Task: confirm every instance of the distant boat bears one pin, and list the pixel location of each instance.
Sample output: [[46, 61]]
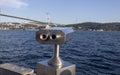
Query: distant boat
[[47, 26], [4, 28], [96, 30], [100, 30]]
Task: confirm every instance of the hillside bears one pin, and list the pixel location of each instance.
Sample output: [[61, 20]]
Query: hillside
[[115, 26]]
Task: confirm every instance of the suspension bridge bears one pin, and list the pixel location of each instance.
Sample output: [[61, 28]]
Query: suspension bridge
[[11, 16]]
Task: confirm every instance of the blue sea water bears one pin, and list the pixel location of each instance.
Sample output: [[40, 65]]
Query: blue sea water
[[93, 52]]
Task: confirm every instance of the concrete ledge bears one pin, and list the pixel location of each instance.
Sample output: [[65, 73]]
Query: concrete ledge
[[10, 69]]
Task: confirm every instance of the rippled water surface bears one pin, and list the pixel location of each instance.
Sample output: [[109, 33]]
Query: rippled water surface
[[94, 53]]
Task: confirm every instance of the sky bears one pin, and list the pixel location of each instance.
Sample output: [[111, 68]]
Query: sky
[[63, 11]]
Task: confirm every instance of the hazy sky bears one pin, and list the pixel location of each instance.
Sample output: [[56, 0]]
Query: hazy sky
[[63, 11]]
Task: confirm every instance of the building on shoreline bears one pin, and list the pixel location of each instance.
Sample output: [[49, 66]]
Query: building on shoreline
[[22, 26]]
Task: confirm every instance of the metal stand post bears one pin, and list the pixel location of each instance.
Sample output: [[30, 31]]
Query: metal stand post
[[55, 65], [56, 61]]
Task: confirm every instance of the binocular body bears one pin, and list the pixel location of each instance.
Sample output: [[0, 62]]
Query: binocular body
[[54, 35]]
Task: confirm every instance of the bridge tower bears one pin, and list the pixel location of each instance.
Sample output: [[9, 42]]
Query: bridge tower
[[48, 20]]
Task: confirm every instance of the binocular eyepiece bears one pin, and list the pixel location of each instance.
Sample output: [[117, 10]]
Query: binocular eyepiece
[[54, 35], [43, 37]]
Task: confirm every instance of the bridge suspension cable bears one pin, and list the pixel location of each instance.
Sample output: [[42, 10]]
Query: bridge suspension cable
[[19, 18]]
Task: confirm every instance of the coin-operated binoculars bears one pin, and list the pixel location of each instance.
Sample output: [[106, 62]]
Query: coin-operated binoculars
[[55, 66]]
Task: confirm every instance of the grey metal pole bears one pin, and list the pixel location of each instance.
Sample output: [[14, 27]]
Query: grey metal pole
[[56, 60], [57, 50]]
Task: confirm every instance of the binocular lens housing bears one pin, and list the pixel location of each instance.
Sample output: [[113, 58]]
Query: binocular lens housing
[[54, 35], [43, 37]]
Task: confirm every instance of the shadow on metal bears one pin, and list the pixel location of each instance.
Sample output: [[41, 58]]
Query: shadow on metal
[[66, 72], [1, 62]]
